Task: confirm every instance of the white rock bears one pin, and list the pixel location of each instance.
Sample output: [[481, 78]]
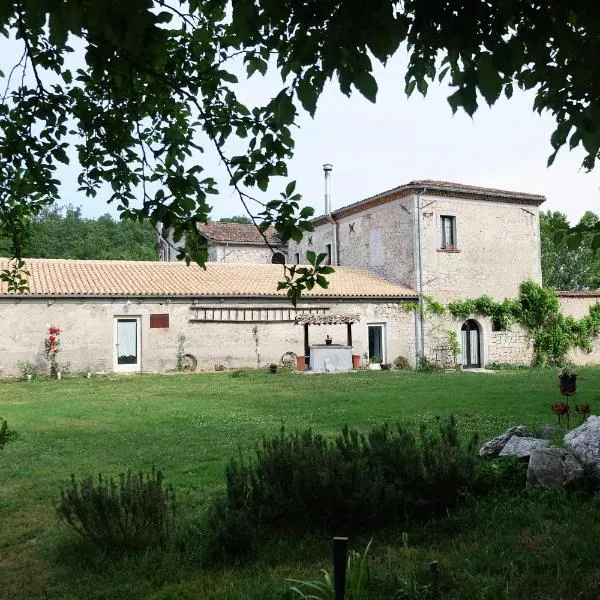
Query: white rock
[[554, 467], [584, 442], [522, 447], [492, 448]]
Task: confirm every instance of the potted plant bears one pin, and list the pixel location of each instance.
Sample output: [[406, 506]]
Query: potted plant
[[273, 367], [567, 381], [27, 369], [375, 363]]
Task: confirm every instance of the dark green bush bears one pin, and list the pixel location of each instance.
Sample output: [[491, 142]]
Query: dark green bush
[[503, 474], [5, 433], [231, 534], [134, 513], [352, 484]]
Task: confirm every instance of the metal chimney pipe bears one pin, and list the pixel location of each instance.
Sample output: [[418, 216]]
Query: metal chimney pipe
[[327, 171]]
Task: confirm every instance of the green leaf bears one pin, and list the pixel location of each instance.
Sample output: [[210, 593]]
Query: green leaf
[[289, 189], [488, 79], [366, 85], [307, 95]]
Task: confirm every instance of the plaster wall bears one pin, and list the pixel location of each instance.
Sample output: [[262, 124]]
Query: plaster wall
[[579, 307], [497, 248], [88, 331], [240, 253], [379, 239]]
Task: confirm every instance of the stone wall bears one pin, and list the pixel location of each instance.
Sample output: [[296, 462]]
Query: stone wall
[[221, 334], [513, 347]]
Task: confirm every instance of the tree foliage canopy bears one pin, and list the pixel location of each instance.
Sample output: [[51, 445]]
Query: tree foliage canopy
[[65, 233], [158, 86], [569, 262]]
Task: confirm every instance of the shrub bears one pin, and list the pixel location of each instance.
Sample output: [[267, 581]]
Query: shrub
[[500, 366], [231, 533], [134, 513], [402, 363], [353, 483], [503, 474], [5, 433], [424, 365], [27, 368]]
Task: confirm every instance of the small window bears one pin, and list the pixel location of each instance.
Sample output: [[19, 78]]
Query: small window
[[448, 232], [297, 258], [278, 259], [328, 252]]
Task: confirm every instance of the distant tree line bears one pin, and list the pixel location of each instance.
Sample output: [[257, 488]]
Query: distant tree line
[[64, 233]]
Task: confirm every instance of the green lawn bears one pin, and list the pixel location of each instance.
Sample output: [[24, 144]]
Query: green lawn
[[189, 425]]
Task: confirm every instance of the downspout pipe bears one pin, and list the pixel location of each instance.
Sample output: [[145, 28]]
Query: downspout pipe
[[419, 322], [327, 168]]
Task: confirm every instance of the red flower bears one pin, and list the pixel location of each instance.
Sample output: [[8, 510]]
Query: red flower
[[560, 408]]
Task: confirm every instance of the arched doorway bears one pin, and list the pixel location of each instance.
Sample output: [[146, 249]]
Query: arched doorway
[[470, 339]]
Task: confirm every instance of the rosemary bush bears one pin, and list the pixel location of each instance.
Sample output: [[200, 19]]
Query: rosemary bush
[[5, 433], [354, 483], [131, 513]]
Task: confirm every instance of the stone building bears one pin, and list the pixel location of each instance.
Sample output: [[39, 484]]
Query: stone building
[[232, 243], [447, 241], [444, 240], [127, 316]]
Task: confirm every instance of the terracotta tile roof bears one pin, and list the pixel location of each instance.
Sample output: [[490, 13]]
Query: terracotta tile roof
[[238, 233], [104, 278], [438, 188]]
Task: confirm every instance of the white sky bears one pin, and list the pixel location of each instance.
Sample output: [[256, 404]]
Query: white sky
[[375, 147]]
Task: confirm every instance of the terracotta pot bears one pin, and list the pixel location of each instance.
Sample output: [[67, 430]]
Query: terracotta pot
[[300, 363], [356, 361]]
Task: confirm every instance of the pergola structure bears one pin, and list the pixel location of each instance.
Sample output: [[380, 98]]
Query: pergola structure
[[307, 320]]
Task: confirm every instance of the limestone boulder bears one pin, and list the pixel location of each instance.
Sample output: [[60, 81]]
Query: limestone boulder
[[547, 432], [584, 442], [492, 448], [522, 447], [554, 467]]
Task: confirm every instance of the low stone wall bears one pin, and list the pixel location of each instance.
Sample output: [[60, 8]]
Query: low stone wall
[[514, 347]]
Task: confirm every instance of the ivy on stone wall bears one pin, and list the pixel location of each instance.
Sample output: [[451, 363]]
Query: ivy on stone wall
[[538, 309]]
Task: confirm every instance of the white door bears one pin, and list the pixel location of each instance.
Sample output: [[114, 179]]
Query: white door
[[127, 344]]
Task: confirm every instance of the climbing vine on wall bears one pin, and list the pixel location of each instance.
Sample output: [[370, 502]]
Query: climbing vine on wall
[[537, 309]]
